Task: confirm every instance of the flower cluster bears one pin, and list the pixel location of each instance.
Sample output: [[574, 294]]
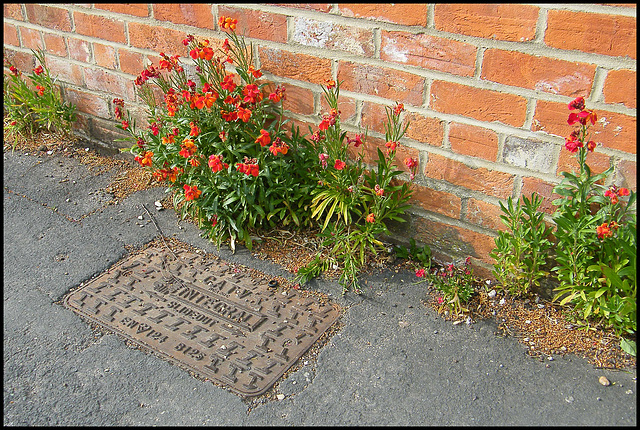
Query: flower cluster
[[614, 192]]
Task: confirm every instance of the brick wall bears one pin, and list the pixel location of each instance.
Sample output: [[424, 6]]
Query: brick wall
[[485, 86]]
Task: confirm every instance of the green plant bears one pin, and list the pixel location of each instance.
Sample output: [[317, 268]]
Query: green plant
[[595, 238], [30, 107], [455, 284], [353, 203], [219, 142], [421, 255], [520, 252]]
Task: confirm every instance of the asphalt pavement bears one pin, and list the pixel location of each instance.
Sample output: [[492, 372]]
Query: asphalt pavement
[[392, 362]]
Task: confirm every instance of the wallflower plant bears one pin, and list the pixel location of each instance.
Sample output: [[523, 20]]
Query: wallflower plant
[[218, 140], [352, 203], [37, 104], [455, 285]]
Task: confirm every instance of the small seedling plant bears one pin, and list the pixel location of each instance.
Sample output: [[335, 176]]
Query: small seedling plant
[[454, 284]]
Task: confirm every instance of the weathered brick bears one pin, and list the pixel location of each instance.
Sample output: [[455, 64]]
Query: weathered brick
[[428, 52], [292, 65], [537, 73], [11, 34], [627, 175], [88, 102], [329, 35], [490, 182], [79, 49], [257, 24], [99, 27], [456, 242], [31, 39], [529, 153], [484, 214], [511, 22], [621, 87], [613, 130], [102, 80], [135, 9], [591, 32], [374, 116], [13, 11], [318, 7], [346, 106], [55, 44], [483, 105], [398, 13], [391, 84], [23, 61], [440, 202], [425, 129], [64, 70], [298, 100], [105, 56], [130, 62], [197, 15], [597, 162], [543, 189], [474, 141], [48, 16], [157, 38]]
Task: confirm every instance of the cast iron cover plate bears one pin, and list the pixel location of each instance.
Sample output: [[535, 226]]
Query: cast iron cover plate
[[206, 316]]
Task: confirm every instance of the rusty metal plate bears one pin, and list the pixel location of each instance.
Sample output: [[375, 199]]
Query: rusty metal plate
[[206, 316]]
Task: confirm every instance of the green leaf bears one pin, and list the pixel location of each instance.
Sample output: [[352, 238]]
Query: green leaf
[[628, 346]]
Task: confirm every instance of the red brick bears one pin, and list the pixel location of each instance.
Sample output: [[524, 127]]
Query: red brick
[[135, 9], [537, 73], [197, 15], [257, 24], [440, 202], [391, 84], [130, 62], [474, 141], [298, 100], [48, 16], [100, 27], [291, 65], [13, 11], [428, 52], [105, 56], [597, 162], [79, 49], [23, 61], [490, 182], [399, 13], [424, 129], [369, 152], [484, 214], [591, 32], [31, 39], [88, 103], [543, 189], [374, 116], [511, 22], [346, 106], [102, 80], [621, 87], [64, 70], [11, 34], [615, 131], [55, 44], [627, 175], [456, 242], [483, 105], [329, 35], [156, 38]]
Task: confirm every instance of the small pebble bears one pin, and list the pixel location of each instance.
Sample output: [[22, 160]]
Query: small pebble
[[628, 392], [540, 306], [502, 301], [492, 294], [527, 322], [280, 396], [140, 217], [569, 399], [550, 358], [604, 381], [49, 152]]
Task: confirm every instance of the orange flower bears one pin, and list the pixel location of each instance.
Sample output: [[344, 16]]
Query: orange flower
[[188, 148], [168, 139], [379, 191], [264, 139], [244, 114], [391, 146], [195, 130], [371, 218], [330, 83], [146, 160], [256, 73], [226, 22], [191, 193], [194, 162], [603, 231], [227, 83], [279, 147], [252, 93], [216, 164]]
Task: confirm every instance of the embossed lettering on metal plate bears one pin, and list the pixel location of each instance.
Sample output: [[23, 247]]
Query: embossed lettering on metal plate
[[218, 322]]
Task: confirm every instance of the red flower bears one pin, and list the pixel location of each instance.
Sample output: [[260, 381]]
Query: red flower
[[125, 124], [572, 143], [216, 164], [603, 231], [40, 90], [194, 162], [279, 147], [188, 148], [195, 130], [339, 164], [191, 193], [227, 83], [623, 192], [244, 114], [330, 84], [248, 168], [420, 273], [256, 73], [15, 71], [398, 109], [323, 160], [371, 218], [146, 160], [391, 146], [379, 191], [591, 146], [357, 140], [264, 139], [38, 70], [577, 104], [252, 93]]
